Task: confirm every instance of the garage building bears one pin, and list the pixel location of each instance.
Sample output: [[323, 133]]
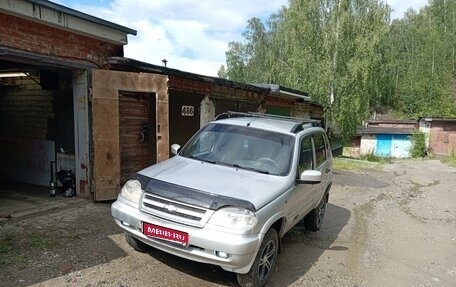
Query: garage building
[[70, 100]]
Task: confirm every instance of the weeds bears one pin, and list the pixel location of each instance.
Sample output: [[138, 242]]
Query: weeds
[[369, 157], [451, 158], [419, 148], [8, 253], [12, 246], [373, 158], [354, 165], [40, 242]]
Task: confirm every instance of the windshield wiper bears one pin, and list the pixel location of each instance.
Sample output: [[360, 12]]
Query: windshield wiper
[[250, 168], [202, 159]]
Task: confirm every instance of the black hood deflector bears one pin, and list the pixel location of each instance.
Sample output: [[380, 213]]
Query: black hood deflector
[[189, 195]]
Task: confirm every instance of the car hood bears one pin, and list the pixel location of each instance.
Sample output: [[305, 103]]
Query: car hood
[[257, 188]]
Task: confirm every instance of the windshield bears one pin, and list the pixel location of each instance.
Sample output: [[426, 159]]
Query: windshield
[[241, 147]]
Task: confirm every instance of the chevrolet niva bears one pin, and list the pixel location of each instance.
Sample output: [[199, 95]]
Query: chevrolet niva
[[230, 194]]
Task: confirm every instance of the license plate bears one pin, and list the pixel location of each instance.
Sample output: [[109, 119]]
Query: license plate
[[164, 233]]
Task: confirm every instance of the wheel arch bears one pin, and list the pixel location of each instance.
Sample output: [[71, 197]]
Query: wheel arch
[[328, 188], [278, 225]]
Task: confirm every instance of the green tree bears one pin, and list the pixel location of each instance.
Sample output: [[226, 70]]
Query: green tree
[[352, 58], [236, 60], [424, 61]]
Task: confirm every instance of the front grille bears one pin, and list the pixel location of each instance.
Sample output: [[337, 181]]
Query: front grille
[[175, 211]]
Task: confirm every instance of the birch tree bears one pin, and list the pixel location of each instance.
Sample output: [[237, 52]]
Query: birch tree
[[352, 58]]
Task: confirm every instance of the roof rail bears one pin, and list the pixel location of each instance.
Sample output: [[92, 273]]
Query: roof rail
[[299, 121]]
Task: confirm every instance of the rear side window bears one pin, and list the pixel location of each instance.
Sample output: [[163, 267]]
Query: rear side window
[[320, 149]]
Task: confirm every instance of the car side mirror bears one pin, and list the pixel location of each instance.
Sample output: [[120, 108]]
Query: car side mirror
[[175, 148], [310, 176]]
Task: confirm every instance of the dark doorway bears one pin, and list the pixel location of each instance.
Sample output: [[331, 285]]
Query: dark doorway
[[184, 116]]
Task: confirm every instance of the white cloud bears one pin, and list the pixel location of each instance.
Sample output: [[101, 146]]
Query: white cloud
[[192, 35], [169, 41]]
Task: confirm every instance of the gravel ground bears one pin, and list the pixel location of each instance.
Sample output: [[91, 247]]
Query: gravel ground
[[395, 227]]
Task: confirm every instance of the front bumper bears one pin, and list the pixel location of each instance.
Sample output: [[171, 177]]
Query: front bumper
[[203, 245]]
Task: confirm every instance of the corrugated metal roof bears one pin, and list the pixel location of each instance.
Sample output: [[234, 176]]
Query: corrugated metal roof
[[280, 89], [78, 14], [137, 65], [264, 88]]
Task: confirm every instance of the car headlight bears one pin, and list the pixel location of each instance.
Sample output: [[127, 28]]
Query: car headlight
[[234, 218], [132, 191]]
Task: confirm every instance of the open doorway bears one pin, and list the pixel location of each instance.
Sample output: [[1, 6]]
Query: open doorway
[[37, 132]]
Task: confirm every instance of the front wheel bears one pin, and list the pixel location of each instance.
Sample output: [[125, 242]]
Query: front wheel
[[264, 262], [313, 220]]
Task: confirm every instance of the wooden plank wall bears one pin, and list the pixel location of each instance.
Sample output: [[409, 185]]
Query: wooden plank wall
[[105, 125]]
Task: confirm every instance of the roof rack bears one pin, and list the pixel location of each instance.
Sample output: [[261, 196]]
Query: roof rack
[[299, 121]]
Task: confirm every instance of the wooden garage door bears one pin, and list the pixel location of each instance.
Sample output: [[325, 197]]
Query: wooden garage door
[[106, 121], [136, 132]]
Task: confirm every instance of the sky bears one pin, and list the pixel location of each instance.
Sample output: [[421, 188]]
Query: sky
[[192, 35]]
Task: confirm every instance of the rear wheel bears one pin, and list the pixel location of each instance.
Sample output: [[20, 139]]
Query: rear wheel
[[264, 262], [313, 220], [136, 244]]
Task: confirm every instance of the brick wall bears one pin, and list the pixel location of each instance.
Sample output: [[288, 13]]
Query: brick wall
[[237, 94], [38, 38], [308, 110], [183, 84], [25, 109], [29, 111], [273, 101], [34, 123]]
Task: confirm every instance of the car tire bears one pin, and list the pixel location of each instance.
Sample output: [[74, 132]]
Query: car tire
[[264, 262], [136, 244], [314, 219]]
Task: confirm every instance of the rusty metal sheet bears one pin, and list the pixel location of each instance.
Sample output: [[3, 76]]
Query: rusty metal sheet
[[105, 124]]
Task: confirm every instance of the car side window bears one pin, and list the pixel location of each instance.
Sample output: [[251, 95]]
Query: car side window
[[320, 149], [306, 155]]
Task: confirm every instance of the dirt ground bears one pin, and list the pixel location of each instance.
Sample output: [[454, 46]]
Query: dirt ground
[[394, 227]]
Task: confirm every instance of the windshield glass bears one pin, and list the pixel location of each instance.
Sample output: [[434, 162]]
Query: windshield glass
[[241, 147]]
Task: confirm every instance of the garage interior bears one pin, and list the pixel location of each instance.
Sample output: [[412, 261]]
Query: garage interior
[[37, 137]]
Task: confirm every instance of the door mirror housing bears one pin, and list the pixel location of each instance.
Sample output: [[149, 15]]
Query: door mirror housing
[[175, 148], [310, 176]]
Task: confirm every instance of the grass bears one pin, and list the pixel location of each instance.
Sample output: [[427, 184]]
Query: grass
[[451, 159], [356, 164], [11, 247], [373, 158], [368, 161], [8, 253], [41, 242]]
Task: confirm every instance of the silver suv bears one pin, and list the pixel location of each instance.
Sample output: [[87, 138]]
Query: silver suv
[[229, 195]]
